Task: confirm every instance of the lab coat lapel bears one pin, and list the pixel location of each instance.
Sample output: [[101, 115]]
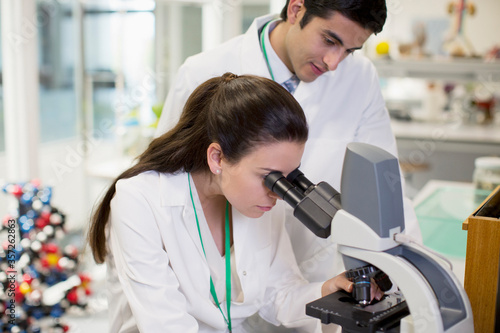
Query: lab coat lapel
[[251, 57], [242, 251], [240, 226], [250, 236], [252, 240], [208, 252], [311, 102], [175, 192], [189, 218]]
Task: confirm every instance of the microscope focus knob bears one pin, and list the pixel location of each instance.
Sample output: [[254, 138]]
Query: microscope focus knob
[[361, 277], [361, 271]]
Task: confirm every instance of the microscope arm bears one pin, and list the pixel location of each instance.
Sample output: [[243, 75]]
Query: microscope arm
[[417, 292]]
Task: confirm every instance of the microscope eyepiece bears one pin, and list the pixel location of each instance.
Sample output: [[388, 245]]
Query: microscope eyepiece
[[297, 178], [276, 182], [313, 205]]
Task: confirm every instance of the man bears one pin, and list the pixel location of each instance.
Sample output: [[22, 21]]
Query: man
[[339, 91]]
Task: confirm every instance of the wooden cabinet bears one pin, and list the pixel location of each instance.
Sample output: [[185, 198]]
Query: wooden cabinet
[[482, 263]]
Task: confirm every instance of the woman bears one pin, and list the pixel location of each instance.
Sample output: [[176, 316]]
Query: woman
[[191, 244]]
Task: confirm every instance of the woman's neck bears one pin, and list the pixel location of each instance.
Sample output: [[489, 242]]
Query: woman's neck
[[213, 204]]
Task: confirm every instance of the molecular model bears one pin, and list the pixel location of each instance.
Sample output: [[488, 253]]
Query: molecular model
[[39, 277]]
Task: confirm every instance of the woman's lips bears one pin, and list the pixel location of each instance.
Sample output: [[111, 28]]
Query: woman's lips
[[266, 208]]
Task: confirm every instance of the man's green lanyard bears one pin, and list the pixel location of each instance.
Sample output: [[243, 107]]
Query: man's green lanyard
[[263, 45], [228, 261]]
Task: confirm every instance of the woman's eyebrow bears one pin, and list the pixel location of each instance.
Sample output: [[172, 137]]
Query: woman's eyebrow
[[269, 170]]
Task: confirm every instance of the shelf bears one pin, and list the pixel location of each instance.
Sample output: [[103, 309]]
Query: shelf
[[442, 69], [447, 131]]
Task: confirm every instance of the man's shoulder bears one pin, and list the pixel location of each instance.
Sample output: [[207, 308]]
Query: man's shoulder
[[230, 55], [221, 54]]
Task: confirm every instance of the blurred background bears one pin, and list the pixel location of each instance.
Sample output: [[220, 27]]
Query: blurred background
[[82, 84]]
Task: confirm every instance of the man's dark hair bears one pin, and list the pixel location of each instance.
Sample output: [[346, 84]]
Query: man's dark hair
[[370, 14]]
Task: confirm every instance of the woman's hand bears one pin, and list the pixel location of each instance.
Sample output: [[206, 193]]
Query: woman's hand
[[340, 282]]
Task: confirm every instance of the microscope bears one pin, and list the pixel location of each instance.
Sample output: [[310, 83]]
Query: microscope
[[366, 222]]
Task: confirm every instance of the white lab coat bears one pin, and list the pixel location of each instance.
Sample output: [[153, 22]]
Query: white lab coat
[[342, 106], [158, 276]]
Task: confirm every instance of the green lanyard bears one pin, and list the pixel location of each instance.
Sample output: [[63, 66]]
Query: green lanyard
[[228, 262], [263, 45]]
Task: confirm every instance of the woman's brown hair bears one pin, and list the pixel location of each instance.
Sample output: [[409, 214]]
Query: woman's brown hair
[[238, 112]]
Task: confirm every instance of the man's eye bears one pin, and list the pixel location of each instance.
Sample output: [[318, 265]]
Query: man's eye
[[330, 41]]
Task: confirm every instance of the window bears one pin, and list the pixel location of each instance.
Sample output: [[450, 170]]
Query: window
[[58, 113], [117, 53], [118, 48], [119, 73]]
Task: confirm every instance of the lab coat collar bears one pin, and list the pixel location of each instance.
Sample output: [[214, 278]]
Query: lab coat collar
[[253, 61], [252, 58], [173, 189], [280, 71]]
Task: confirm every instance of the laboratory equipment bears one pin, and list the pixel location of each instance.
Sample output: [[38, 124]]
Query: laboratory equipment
[[366, 222]]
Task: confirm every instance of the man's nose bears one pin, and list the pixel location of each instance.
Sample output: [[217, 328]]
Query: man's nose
[[333, 58]]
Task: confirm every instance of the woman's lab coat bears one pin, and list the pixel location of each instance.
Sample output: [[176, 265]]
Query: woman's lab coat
[[158, 276], [341, 106]]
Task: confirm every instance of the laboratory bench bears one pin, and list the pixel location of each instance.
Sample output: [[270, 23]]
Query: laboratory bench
[[461, 223], [441, 208]]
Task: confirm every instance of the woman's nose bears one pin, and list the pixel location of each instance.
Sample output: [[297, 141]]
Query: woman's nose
[[273, 195]]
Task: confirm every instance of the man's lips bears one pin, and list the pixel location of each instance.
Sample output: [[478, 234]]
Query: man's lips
[[318, 70]]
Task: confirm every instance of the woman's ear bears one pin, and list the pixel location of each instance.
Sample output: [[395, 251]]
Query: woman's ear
[[214, 158]]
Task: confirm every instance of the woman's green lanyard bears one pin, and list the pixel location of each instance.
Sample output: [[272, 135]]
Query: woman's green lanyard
[[263, 45], [228, 262]]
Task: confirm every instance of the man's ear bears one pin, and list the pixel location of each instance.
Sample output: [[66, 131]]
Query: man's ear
[[214, 157], [294, 7]]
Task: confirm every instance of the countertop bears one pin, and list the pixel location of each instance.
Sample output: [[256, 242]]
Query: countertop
[[456, 207], [447, 132]]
